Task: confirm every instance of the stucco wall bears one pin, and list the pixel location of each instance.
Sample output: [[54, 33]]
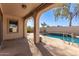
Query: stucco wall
[[63, 30], [6, 34], [1, 26], [0, 5]]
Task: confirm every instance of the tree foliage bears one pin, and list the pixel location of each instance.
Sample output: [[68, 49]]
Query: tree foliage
[[29, 29], [65, 12], [44, 26]]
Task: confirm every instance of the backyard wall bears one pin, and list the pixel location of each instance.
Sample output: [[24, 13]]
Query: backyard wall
[[63, 29], [8, 35]]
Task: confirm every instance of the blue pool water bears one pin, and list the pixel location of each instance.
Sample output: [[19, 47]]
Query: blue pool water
[[65, 38]]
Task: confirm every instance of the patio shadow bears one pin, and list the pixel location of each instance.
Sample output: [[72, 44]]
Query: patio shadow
[[16, 47], [43, 50]]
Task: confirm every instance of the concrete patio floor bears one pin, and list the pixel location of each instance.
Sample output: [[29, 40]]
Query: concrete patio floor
[[25, 47], [16, 47], [53, 46]]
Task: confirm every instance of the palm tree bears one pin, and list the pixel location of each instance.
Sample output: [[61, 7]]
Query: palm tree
[[65, 12], [48, 26], [44, 26]]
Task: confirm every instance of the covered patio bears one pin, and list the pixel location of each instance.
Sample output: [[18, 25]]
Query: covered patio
[[13, 30]]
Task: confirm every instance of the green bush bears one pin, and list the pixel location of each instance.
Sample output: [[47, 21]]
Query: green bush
[[29, 29]]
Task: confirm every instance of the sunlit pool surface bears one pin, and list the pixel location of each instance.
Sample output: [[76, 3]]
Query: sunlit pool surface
[[65, 38]]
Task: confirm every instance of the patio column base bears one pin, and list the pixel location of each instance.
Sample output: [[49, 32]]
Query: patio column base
[[1, 46]]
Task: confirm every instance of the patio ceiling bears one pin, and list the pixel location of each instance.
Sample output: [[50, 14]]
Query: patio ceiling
[[44, 7], [25, 10], [16, 9]]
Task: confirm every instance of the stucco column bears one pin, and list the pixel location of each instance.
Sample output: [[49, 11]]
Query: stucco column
[[1, 29], [25, 28], [36, 28]]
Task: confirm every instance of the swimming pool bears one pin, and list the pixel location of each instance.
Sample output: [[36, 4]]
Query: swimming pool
[[65, 38]]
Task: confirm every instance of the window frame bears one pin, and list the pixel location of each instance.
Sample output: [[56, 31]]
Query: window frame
[[10, 19]]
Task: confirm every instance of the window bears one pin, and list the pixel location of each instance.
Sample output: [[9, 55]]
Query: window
[[13, 26]]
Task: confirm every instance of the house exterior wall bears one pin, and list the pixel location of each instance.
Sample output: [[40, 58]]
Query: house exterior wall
[[8, 35]]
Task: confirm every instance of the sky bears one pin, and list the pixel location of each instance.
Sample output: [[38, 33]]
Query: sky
[[49, 19]]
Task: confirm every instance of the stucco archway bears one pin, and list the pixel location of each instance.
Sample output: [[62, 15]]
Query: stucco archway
[[36, 16]]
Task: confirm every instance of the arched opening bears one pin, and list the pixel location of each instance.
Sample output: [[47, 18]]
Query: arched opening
[[29, 31], [57, 28]]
